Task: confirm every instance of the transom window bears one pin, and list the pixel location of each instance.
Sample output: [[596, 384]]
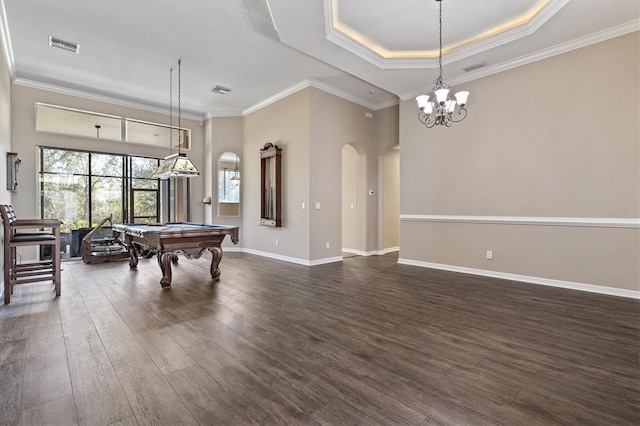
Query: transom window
[[94, 125]]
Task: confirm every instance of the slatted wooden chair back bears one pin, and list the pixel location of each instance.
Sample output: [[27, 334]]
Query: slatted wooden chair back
[[22, 273], [8, 213], [8, 217]]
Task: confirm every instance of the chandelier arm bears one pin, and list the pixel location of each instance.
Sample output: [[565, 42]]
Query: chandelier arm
[[427, 119], [462, 114]]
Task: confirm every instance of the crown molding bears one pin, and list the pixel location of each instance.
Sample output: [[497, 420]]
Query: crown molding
[[99, 98], [6, 41], [470, 48], [341, 94], [508, 36], [320, 86], [274, 98], [221, 114], [604, 35], [144, 107], [350, 97]]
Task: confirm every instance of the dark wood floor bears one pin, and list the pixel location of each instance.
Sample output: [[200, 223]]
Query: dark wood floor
[[362, 342]]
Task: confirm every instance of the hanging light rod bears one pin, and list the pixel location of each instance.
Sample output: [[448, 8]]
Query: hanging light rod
[[175, 165], [443, 110]]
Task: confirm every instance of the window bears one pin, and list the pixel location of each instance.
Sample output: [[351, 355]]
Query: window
[[228, 191], [74, 122], [228, 183], [82, 188], [64, 187], [145, 202]]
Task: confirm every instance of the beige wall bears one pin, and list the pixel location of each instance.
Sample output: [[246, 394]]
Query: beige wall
[[336, 122], [286, 124], [222, 134], [350, 199], [5, 138], [391, 196], [312, 127], [26, 140], [555, 138], [5, 122]]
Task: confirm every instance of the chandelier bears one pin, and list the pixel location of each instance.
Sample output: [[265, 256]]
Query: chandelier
[[176, 165], [442, 110]]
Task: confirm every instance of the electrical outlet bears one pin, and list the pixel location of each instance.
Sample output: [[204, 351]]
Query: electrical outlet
[[277, 242], [489, 254], [328, 244]]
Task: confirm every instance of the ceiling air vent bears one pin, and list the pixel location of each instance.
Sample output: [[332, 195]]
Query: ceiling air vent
[[71, 47], [475, 66], [221, 90]]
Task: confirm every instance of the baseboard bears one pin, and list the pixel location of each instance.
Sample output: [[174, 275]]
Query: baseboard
[[591, 288], [295, 260], [371, 253], [232, 249], [325, 260]]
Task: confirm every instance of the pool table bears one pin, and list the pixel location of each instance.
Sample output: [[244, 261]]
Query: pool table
[[169, 239]]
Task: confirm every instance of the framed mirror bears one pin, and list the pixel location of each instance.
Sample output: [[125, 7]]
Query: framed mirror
[[271, 186]]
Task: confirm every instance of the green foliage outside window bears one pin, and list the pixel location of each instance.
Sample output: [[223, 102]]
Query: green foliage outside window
[[82, 188]]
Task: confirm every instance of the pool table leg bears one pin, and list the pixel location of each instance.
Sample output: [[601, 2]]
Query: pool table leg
[[164, 260], [133, 255], [216, 257]]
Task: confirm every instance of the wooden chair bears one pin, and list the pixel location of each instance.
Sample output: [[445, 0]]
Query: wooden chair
[[22, 273]]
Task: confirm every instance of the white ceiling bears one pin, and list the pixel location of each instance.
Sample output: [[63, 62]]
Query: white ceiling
[[368, 51]]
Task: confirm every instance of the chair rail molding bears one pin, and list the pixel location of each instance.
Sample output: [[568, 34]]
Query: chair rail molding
[[598, 222]]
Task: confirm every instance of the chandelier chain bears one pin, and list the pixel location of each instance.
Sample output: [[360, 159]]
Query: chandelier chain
[[443, 110], [440, 56]]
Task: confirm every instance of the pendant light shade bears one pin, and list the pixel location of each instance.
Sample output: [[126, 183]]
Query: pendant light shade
[[176, 165]]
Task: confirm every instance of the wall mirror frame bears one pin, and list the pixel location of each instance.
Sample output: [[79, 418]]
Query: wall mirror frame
[[271, 185]]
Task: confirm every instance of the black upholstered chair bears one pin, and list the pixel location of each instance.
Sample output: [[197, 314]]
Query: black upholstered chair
[[31, 234]]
